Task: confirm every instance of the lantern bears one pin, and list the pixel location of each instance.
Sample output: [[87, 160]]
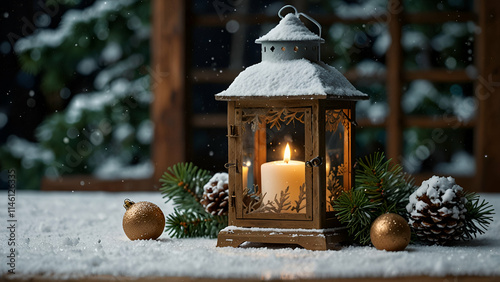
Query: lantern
[[290, 133]]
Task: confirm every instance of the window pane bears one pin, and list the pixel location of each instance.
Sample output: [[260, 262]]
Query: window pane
[[449, 45], [440, 100], [369, 140], [448, 151], [353, 44], [204, 101], [376, 108], [209, 148]]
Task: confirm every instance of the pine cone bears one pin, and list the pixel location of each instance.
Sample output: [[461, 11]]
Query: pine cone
[[215, 195], [437, 210]]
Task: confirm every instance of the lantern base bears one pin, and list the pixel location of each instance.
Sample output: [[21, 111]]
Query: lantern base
[[310, 239]]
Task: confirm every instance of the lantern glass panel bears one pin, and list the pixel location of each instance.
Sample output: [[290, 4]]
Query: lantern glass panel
[[336, 151], [274, 183]]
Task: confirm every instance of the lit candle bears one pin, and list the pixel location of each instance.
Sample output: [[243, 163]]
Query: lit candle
[[278, 175]]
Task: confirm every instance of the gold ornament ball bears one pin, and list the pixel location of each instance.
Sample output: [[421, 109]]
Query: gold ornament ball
[[142, 220], [390, 232]]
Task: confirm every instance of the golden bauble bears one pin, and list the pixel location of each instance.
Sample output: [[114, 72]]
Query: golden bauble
[[142, 220], [390, 232]]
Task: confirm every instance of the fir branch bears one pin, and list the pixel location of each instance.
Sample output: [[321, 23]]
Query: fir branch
[[384, 183], [478, 217], [356, 210], [183, 184], [191, 224]]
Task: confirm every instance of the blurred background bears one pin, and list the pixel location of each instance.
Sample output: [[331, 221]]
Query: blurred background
[[79, 80]]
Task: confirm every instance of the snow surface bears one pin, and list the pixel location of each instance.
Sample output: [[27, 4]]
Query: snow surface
[[291, 78], [290, 28], [64, 234]]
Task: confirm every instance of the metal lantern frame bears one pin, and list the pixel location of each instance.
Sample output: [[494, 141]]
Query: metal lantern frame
[[315, 227]]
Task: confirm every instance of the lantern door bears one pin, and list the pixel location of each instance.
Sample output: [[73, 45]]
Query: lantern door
[[339, 138], [272, 181]]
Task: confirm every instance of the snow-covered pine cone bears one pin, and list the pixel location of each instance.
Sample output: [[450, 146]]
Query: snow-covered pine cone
[[437, 210], [216, 195]]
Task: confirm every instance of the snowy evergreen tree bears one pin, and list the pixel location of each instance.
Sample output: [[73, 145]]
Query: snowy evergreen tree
[[96, 62]]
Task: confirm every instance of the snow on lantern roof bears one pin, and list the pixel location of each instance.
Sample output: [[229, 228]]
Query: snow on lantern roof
[[291, 72], [290, 28], [288, 79]]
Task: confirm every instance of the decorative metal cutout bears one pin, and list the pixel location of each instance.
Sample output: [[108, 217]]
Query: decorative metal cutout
[[334, 118], [300, 204], [254, 202], [334, 183], [273, 118]]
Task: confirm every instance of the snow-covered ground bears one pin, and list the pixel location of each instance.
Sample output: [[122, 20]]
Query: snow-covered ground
[[64, 234]]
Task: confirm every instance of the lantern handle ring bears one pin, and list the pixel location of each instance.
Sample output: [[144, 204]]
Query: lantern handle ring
[[300, 14], [288, 6]]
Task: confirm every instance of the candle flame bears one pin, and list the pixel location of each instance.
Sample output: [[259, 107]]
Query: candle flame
[[286, 158]]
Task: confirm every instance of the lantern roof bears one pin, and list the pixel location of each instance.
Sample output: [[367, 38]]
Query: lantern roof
[[290, 28], [301, 79], [291, 67]]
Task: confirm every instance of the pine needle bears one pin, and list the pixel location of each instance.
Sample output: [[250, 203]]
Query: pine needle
[[191, 224], [478, 217], [183, 184]]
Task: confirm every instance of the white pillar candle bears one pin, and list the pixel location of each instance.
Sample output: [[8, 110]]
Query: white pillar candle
[[278, 175]]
